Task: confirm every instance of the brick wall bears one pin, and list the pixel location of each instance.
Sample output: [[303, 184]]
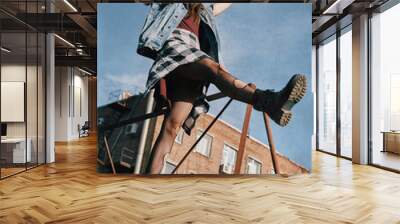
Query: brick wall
[[222, 133]]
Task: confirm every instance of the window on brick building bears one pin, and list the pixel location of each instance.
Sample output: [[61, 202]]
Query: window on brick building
[[179, 137], [228, 159], [204, 146], [168, 168], [253, 166]]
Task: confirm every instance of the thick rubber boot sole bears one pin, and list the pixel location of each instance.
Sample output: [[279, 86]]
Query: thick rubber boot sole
[[281, 117], [297, 93]]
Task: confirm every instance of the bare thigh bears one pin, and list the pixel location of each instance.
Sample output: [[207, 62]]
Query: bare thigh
[[182, 93], [179, 112]]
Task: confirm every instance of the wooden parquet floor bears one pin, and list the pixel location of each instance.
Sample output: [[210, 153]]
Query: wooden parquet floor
[[70, 191]]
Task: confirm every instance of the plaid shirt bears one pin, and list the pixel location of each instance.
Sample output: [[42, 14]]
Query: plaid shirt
[[182, 47]]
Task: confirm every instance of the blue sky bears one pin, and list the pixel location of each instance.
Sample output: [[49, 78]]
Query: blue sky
[[260, 43]]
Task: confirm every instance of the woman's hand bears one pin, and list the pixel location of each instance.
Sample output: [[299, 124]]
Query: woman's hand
[[218, 8]]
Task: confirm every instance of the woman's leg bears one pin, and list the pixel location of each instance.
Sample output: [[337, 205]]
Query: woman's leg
[[276, 104], [169, 129], [210, 71]]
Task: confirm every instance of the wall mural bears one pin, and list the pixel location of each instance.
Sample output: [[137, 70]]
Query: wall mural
[[185, 66]]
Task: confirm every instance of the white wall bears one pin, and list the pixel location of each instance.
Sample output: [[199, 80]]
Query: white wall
[[79, 117], [13, 73], [71, 102], [17, 73], [61, 103], [33, 126]]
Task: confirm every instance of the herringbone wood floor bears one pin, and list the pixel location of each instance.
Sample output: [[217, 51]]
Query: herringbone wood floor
[[70, 191]]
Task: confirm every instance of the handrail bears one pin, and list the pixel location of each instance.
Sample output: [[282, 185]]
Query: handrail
[[209, 98]]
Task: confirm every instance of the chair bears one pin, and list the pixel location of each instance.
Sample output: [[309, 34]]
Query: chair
[[163, 105], [84, 129]]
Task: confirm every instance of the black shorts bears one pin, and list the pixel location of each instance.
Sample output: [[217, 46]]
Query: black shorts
[[182, 89]]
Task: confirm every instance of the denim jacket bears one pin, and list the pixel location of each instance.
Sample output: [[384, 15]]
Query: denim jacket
[[163, 18]]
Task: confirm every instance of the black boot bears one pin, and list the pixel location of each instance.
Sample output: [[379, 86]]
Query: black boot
[[278, 104]]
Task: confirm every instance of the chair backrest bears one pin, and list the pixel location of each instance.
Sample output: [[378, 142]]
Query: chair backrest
[[86, 125]]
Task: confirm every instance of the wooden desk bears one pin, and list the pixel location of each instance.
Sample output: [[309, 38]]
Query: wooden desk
[[391, 141]]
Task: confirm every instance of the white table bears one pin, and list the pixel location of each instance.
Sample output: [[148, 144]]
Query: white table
[[18, 145]]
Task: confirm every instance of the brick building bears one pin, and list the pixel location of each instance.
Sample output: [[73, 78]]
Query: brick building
[[217, 151]]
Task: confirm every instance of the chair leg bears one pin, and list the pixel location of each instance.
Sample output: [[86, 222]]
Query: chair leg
[[272, 149], [109, 155], [243, 138], [202, 135]]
